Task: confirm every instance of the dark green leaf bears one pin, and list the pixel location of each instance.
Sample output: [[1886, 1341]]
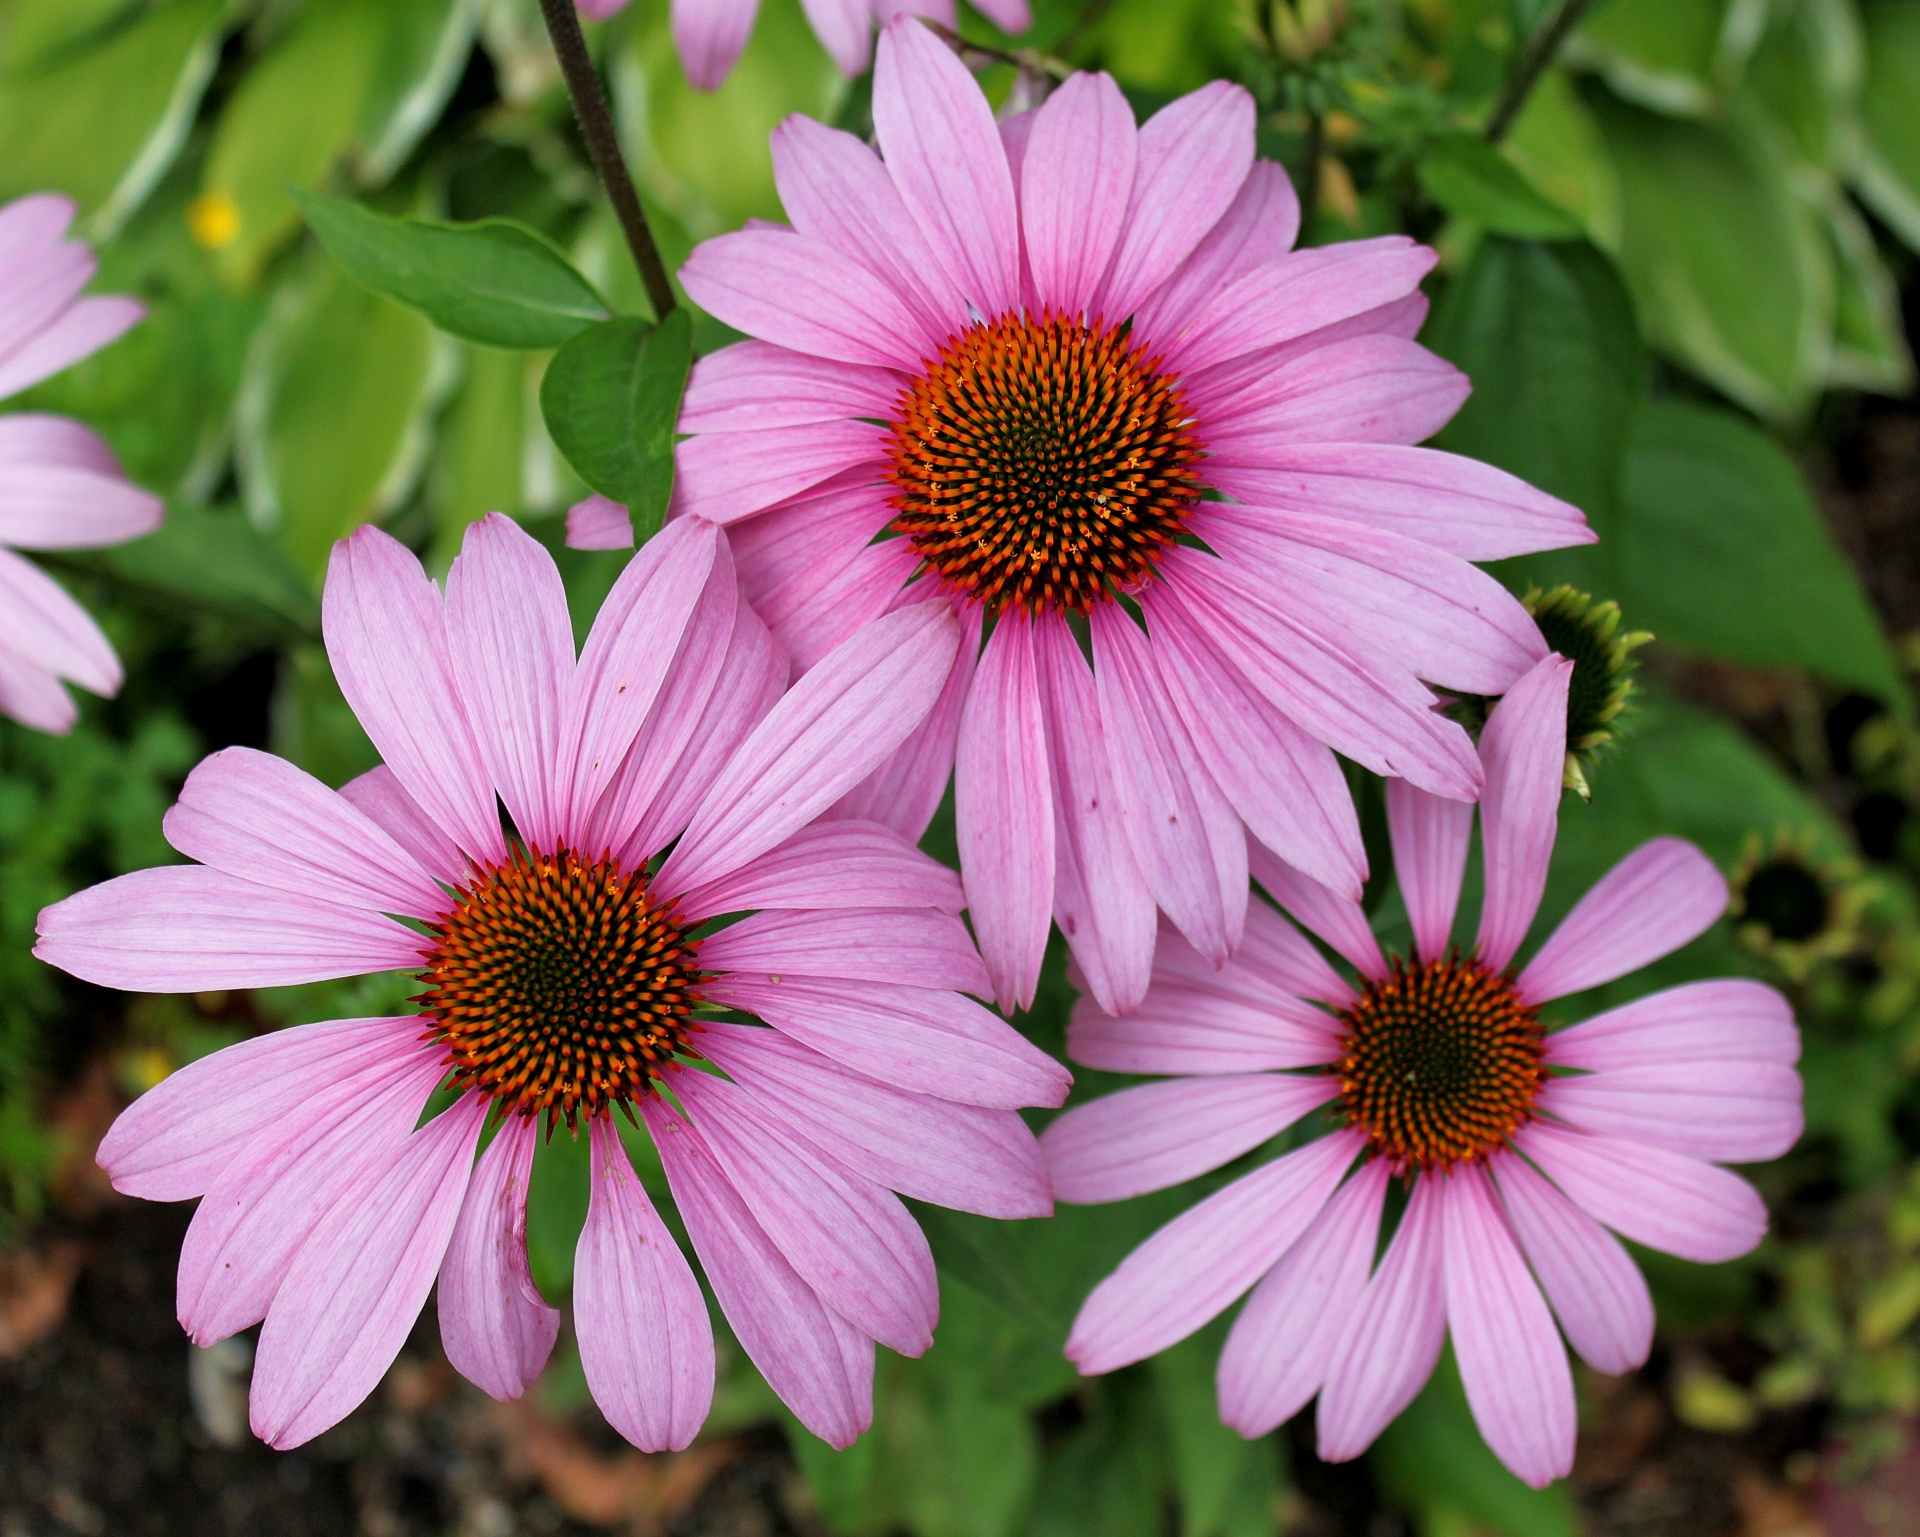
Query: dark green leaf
[[610, 398], [1720, 550], [495, 282], [1109, 1477], [557, 1195], [1227, 1486], [1470, 178]]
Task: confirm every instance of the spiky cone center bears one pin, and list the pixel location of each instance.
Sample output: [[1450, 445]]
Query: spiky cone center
[[1043, 463], [560, 986], [1440, 1064]]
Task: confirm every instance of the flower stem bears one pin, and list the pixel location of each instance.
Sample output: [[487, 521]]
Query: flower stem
[[603, 144], [1542, 45]]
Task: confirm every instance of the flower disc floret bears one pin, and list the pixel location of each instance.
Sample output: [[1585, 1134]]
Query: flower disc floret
[[561, 985], [1441, 1063], [1043, 463]]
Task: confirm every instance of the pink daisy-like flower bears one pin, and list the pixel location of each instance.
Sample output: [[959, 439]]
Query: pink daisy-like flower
[[568, 972], [711, 34], [1520, 1147], [1005, 365], [60, 486]]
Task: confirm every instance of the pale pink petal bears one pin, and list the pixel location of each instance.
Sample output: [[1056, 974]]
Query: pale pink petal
[[1188, 838], [750, 386], [1277, 1352], [598, 524], [34, 438], [624, 665], [56, 507], [1276, 953], [379, 794], [38, 287], [1430, 838], [784, 1327], [1455, 504], [45, 628], [1596, 1289], [835, 189], [1367, 389], [1664, 1200], [173, 1141], [962, 1156], [800, 293], [813, 618], [1101, 899], [833, 728], [33, 696], [1392, 1338], [792, 556], [1524, 748], [1196, 1265], [81, 330], [1726, 1020], [1663, 894], [942, 150], [1075, 180], [832, 864], [1259, 224], [918, 1038], [709, 34], [33, 224], [496, 1327], [191, 929], [867, 944], [1341, 923], [387, 639], [262, 1208], [259, 818], [646, 1344], [1185, 1030], [358, 1283], [1162, 1134], [845, 30], [1244, 386], [1013, 16], [727, 476], [1004, 813], [1730, 1112], [850, 1239]]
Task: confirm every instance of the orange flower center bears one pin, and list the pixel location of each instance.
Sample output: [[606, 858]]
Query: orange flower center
[[1043, 463], [560, 986], [1441, 1063]]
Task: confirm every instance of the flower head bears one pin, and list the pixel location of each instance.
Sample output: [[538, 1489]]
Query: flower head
[[1067, 373], [60, 486], [573, 968], [1519, 1145]]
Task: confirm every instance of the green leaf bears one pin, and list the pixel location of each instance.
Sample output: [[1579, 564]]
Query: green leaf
[[104, 119], [424, 46], [1886, 162], [1472, 180], [1226, 1486], [217, 562], [495, 282], [1870, 348], [557, 1197], [1671, 55], [1433, 1461], [1106, 1479], [1558, 148], [611, 397], [480, 451], [1720, 551]]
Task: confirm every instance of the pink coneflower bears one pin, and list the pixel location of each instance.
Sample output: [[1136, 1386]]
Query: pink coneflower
[[60, 486], [1005, 365], [710, 34], [1519, 1148], [566, 975]]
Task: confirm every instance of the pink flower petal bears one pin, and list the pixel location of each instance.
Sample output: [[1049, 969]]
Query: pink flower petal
[[1664, 1200], [1101, 899], [81, 330], [1163, 1134], [1524, 748], [1198, 1031], [190, 929], [1278, 1350], [42, 626], [380, 795], [173, 1141], [850, 1239], [34, 696], [784, 1327], [1458, 505], [833, 728], [496, 1327], [1197, 1264], [1188, 838], [942, 149], [844, 28], [1591, 1280], [727, 476], [32, 224], [1726, 1020], [1429, 857], [1259, 224], [1004, 813], [1280, 956], [961, 1156], [792, 556], [751, 386], [55, 507], [387, 639], [1247, 385], [832, 864], [933, 1042], [1365, 389], [1074, 184], [1729, 1112], [1392, 1338], [598, 524], [1663, 894], [869, 944], [39, 286], [358, 1283], [258, 818], [34, 438], [646, 1344], [1340, 923], [709, 34], [814, 618]]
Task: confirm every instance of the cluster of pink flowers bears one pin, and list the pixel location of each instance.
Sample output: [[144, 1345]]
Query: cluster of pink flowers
[[1053, 473]]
